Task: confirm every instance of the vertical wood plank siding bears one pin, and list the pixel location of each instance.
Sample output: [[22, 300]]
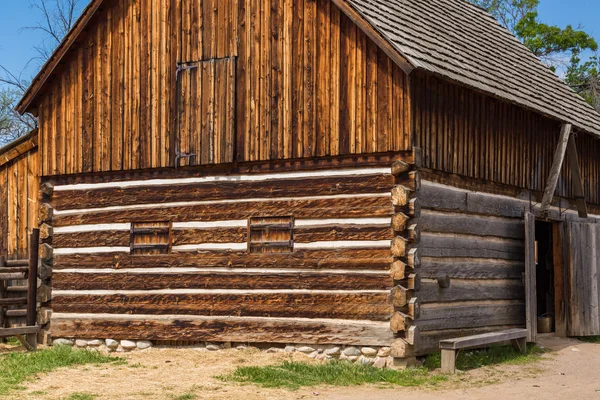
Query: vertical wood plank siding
[[19, 186], [468, 134], [306, 82]]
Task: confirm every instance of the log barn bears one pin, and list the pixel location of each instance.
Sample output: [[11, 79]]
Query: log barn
[[348, 172]]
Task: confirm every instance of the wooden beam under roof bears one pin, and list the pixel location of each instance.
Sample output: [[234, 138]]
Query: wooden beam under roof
[[577, 178], [559, 158]]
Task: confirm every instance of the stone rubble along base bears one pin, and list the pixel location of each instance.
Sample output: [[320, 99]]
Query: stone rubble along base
[[378, 357]]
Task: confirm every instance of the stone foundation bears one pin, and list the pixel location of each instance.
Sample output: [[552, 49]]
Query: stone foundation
[[378, 357]]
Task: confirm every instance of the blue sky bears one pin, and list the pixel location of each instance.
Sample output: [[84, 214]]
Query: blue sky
[[17, 45]]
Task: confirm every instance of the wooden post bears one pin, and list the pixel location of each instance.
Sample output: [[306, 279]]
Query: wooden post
[[34, 241], [448, 361], [559, 157], [576, 177], [3, 319]]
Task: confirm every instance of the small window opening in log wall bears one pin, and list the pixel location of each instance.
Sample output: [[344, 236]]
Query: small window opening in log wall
[[151, 238], [271, 235]]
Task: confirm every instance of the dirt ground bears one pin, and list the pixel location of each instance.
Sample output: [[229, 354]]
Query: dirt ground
[[571, 371]]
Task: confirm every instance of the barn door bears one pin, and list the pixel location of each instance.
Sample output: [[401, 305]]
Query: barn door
[[583, 263], [205, 112], [530, 278]]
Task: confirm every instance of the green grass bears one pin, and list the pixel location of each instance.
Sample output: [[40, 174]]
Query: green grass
[[186, 396], [468, 360], [81, 396], [17, 368], [294, 375], [589, 339]]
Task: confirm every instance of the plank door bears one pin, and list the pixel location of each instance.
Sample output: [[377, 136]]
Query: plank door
[[530, 278], [583, 263], [206, 112]]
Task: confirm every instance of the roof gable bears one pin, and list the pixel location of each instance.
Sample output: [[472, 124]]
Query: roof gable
[[450, 38]]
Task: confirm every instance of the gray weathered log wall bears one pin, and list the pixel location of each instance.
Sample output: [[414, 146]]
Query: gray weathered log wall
[[477, 241], [474, 240]]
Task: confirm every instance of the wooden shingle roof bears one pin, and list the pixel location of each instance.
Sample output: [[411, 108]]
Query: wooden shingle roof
[[462, 42]]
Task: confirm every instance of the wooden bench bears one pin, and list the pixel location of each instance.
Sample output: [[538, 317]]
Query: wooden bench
[[451, 347]]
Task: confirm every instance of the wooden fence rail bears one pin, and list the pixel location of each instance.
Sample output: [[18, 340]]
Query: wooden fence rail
[[24, 300]]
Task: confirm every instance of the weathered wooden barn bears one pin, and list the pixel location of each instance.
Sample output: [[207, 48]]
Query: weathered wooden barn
[[366, 172]]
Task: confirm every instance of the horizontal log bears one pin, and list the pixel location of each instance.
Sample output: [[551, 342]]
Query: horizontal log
[[340, 233], [410, 180], [399, 246], [46, 213], [47, 189], [46, 252], [216, 329], [414, 308], [413, 335], [414, 258], [398, 271], [471, 268], [400, 348], [401, 196], [414, 207], [16, 289], [400, 222], [460, 223], [115, 238], [475, 315], [25, 330], [446, 198], [12, 276], [466, 290], [16, 263], [16, 301], [444, 245], [222, 280], [221, 190], [413, 282], [45, 271], [13, 270], [400, 296], [16, 313], [46, 232], [347, 259], [414, 233], [44, 294], [400, 167], [338, 305], [335, 207], [400, 322], [44, 315]]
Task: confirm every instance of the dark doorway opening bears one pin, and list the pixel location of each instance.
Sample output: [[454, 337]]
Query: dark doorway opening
[[545, 271]]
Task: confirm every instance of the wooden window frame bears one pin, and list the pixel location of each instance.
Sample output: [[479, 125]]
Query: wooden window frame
[[168, 231], [266, 227]]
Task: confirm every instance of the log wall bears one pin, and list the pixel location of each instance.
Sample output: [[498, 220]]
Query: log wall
[[475, 243], [333, 288], [288, 78], [471, 257], [473, 135]]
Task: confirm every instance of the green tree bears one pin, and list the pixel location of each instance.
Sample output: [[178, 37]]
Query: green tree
[[12, 125], [584, 78]]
